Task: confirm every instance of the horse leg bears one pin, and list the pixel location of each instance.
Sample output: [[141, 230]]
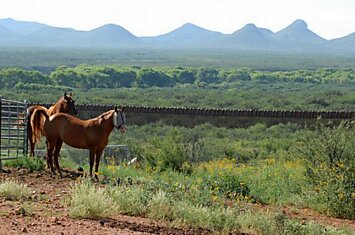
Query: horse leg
[[50, 148], [29, 138], [57, 148], [97, 162], [32, 143], [92, 158], [47, 159], [32, 149]]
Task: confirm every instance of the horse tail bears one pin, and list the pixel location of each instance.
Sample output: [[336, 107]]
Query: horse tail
[[36, 123], [29, 126]]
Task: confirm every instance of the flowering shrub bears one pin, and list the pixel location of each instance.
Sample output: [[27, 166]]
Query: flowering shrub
[[166, 153], [330, 156]]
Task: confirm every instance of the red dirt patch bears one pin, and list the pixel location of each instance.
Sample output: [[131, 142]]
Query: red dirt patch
[[45, 213]]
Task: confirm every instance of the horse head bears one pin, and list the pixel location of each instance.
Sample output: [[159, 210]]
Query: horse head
[[119, 118], [68, 104]]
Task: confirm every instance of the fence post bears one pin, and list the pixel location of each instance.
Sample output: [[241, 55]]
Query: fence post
[[0, 131], [25, 132]]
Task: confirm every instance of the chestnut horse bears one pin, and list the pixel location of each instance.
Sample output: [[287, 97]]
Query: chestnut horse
[[65, 104], [90, 134]]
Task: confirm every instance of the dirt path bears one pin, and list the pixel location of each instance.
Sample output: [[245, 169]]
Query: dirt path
[[45, 213]]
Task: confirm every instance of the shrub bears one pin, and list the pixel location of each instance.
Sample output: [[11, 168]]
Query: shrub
[[130, 200], [160, 206], [31, 163], [14, 191], [227, 184], [166, 153], [213, 218], [330, 162], [276, 181], [88, 201]]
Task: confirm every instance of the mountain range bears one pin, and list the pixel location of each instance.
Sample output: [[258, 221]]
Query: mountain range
[[296, 37]]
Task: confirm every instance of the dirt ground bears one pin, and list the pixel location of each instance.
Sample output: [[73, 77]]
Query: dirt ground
[[45, 213]]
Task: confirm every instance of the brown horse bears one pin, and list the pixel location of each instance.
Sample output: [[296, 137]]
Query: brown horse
[[90, 134], [65, 104]]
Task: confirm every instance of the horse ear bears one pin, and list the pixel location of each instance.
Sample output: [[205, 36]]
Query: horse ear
[[116, 109], [65, 94], [71, 94]]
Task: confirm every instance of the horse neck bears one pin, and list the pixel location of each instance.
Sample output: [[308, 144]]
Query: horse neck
[[107, 122], [56, 108]]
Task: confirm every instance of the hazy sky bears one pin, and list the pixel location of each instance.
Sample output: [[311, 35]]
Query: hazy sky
[[328, 18]]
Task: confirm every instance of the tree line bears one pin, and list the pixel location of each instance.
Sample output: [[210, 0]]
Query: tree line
[[102, 76]]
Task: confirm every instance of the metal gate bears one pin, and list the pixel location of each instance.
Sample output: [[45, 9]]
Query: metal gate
[[13, 129]]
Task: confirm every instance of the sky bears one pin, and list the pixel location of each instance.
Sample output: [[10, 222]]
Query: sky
[[328, 18]]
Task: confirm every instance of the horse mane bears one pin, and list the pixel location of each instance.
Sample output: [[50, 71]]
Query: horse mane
[[104, 115], [55, 108]]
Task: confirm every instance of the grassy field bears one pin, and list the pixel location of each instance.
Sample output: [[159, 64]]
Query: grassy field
[[48, 59], [262, 180]]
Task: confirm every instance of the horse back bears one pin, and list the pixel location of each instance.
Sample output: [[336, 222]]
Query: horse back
[[73, 131]]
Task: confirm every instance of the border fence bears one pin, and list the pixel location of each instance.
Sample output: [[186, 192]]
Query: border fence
[[249, 113], [13, 129], [231, 118], [13, 120]]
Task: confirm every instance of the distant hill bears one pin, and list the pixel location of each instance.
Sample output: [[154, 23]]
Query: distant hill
[[109, 35], [250, 37], [52, 37], [6, 35], [21, 27], [295, 37], [298, 33], [187, 35], [344, 43]]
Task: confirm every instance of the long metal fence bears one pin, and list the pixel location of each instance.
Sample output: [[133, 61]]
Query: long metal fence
[[13, 129]]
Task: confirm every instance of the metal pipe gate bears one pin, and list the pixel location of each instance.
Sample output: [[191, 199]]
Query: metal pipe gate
[[13, 129]]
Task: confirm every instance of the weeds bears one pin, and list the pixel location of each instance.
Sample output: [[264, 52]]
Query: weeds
[[14, 191], [88, 201], [158, 204], [330, 160], [31, 163]]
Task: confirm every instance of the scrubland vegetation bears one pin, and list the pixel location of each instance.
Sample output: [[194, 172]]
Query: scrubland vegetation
[[209, 177]]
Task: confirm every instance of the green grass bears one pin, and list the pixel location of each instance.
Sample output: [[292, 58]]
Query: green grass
[[87, 201], [14, 191], [90, 201], [31, 163]]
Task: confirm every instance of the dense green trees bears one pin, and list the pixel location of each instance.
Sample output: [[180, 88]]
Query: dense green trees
[[324, 89], [9, 77], [90, 76]]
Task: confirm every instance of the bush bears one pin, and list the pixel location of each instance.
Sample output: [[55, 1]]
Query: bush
[[88, 201], [14, 191], [130, 200], [31, 163], [166, 153], [330, 162], [160, 206], [278, 182], [227, 184]]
